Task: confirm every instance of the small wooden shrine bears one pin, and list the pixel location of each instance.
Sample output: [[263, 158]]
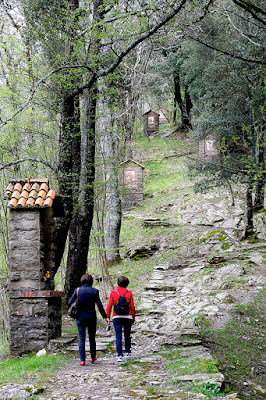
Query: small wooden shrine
[[208, 147], [150, 123], [34, 305], [131, 179]]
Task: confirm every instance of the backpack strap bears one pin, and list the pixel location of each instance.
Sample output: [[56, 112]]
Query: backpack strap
[[77, 292], [120, 294]]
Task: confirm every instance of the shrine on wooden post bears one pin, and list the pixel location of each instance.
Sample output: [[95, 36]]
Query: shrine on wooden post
[[150, 123], [208, 147]]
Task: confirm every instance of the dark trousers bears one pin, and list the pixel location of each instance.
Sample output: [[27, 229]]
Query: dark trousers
[[90, 324], [121, 324]]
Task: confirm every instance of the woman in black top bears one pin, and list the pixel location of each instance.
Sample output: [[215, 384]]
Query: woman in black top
[[87, 298]]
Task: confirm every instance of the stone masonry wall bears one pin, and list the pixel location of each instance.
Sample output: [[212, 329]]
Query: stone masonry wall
[[24, 250], [33, 322], [28, 325]]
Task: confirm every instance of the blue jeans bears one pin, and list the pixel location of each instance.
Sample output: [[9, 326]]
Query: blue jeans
[[82, 324], [119, 324]]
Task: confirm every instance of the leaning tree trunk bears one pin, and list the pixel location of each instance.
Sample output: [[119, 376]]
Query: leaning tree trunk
[[249, 231], [65, 176], [188, 107], [112, 199]]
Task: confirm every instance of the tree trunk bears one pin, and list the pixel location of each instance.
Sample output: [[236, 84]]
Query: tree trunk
[[68, 142], [112, 199], [259, 194], [65, 176], [80, 228], [188, 106], [177, 98], [260, 185], [249, 231], [79, 235], [184, 106], [128, 124]]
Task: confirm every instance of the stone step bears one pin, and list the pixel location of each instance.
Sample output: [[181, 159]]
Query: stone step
[[71, 343], [61, 342], [160, 286], [216, 378]]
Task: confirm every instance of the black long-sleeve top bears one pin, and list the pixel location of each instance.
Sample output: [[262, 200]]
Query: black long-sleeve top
[[88, 297]]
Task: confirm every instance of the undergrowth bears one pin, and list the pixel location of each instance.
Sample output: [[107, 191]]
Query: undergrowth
[[240, 347]]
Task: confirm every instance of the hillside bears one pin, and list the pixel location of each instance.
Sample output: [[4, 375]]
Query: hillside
[[198, 238], [175, 225], [198, 291]]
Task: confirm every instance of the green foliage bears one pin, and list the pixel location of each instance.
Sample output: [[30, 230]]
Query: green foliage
[[69, 327], [228, 95], [211, 390], [201, 321]]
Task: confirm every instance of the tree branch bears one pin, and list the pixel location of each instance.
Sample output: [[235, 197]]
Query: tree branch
[[40, 81], [220, 166], [28, 159], [242, 33], [134, 44], [226, 53], [252, 9]]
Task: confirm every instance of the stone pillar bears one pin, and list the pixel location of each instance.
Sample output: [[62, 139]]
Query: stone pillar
[[34, 307]]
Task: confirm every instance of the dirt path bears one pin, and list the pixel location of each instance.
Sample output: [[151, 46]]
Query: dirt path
[[166, 363], [108, 379], [144, 377]]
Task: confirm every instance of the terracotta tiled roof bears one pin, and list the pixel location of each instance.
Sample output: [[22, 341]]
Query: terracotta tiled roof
[[29, 193]]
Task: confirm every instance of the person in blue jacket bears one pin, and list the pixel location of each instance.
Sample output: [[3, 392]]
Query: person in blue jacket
[[87, 298]]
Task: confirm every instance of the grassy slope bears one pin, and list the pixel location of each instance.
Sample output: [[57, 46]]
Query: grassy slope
[[29, 368], [165, 183]]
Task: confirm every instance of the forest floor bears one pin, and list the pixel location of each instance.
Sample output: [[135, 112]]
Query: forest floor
[[199, 291]]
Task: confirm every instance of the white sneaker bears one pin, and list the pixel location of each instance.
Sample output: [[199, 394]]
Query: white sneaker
[[119, 359], [128, 355]]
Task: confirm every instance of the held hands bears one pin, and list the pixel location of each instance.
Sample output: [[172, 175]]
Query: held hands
[[108, 321]]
